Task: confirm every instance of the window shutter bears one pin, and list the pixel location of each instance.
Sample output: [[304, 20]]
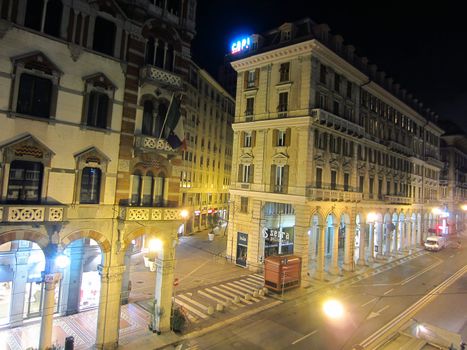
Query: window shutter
[[240, 172], [288, 135], [245, 80], [252, 171], [253, 138], [285, 179], [257, 77], [273, 177], [275, 134]]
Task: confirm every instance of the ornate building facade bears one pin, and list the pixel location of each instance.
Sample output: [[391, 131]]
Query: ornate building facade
[[85, 167], [332, 161]]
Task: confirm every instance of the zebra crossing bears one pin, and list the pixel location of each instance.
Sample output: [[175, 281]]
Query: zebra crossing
[[228, 296]]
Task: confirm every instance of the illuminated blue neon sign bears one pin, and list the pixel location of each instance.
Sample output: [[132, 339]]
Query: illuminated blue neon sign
[[240, 45]]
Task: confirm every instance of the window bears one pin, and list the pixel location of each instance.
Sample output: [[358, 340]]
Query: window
[[247, 139], [246, 173], [98, 107], [322, 101], [53, 16], [281, 138], [243, 204], [280, 178], [319, 177], [104, 36], [249, 106], [333, 179], [346, 181], [337, 82], [34, 96], [335, 107], [150, 52], [360, 184], [251, 78], [25, 182], [90, 186], [322, 74], [286, 35], [284, 72], [349, 89], [372, 181], [283, 102]]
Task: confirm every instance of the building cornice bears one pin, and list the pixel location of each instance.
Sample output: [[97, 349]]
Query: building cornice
[[271, 197], [274, 123]]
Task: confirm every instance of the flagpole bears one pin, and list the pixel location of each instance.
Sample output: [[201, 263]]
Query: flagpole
[[166, 114]]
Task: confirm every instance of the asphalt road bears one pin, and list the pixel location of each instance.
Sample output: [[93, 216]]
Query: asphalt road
[[368, 305]]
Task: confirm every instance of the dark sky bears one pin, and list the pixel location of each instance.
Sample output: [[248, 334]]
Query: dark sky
[[424, 47]]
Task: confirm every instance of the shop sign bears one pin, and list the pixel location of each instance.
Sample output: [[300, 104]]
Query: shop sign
[[274, 234], [240, 45], [242, 239], [197, 212]]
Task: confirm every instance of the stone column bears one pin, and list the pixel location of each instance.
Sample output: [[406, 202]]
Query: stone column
[[335, 250], [302, 222], [108, 319], [321, 252], [397, 231], [361, 245], [349, 263], [19, 288], [371, 241], [126, 275], [380, 241], [165, 264], [48, 307], [388, 242]]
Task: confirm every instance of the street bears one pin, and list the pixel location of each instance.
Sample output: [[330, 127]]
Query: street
[[369, 305]]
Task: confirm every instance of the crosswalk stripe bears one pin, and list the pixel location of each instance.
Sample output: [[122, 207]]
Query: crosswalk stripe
[[253, 283], [244, 290], [222, 288], [246, 285], [190, 308], [257, 277], [207, 295], [222, 296], [194, 302]]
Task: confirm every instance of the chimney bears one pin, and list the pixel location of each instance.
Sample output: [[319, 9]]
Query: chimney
[[397, 88], [322, 32], [389, 82], [337, 43], [381, 76], [403, 93], [373, 68]]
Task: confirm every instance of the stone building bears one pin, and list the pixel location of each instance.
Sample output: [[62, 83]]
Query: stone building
[[205, 179], [85, 167], [332, 161]]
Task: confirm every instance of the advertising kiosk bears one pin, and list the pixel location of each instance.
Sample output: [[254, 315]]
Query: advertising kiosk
[[282, 272]]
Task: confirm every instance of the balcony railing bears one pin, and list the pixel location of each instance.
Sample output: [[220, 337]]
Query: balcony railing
[[338, 123], [150, 214], [433, 161], [31, 213], [161, 76], [333, 192], [398, 199], [394, 146], [149, 143]]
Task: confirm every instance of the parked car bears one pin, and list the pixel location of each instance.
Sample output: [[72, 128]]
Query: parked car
[[435, 243]]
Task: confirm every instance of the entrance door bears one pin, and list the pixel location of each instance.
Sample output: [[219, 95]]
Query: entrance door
[[242, 249]]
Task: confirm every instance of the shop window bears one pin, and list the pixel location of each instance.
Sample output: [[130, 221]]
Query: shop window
[[34, 96], [90, 185], [104, 36], [25, 182]]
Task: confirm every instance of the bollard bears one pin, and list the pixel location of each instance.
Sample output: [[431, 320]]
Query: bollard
[[247, 296], [210, 310], [255, 294], [220, 307]]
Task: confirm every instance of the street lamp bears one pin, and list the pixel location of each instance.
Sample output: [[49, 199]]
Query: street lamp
[[184, 214], [333, 309]]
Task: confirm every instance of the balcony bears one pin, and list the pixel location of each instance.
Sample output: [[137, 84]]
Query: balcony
[[23, 213], [338, 123], [394, 146], [151, 144], [150, 214], [397, 199], [161, 77], [433, 161], [334, 195]]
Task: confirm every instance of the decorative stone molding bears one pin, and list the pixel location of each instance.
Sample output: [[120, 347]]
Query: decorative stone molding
[[111, 274], [25, 214], [280, 159], [138, 214], [156, 214], [55, 214], [161, 76], [75, 51]]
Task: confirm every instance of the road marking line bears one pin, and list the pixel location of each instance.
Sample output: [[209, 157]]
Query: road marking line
[[305, 336], [222, 288], [194, 302], [407, 280], [190, 308], [194, 270], [222, 296], [253, 283], [245, 285], [223, 302], [369, 302], [389, 291], [242, 291], [257, 277]]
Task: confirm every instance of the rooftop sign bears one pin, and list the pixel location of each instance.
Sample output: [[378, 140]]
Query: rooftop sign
[[240, 45]]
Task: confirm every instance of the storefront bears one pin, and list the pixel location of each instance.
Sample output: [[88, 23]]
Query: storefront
[[277, 242], [242, 249]]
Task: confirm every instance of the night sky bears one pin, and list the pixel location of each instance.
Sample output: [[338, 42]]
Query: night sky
[[423, 48]]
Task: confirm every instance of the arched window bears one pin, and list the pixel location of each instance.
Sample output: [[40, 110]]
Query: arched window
[[25, 182], [90, 186], [149, 120], [33, 16], [104, 36], [169, 58], [98, 106], [150, 46], [34, 95], [148, 189], [159, 188], [53, 18]]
